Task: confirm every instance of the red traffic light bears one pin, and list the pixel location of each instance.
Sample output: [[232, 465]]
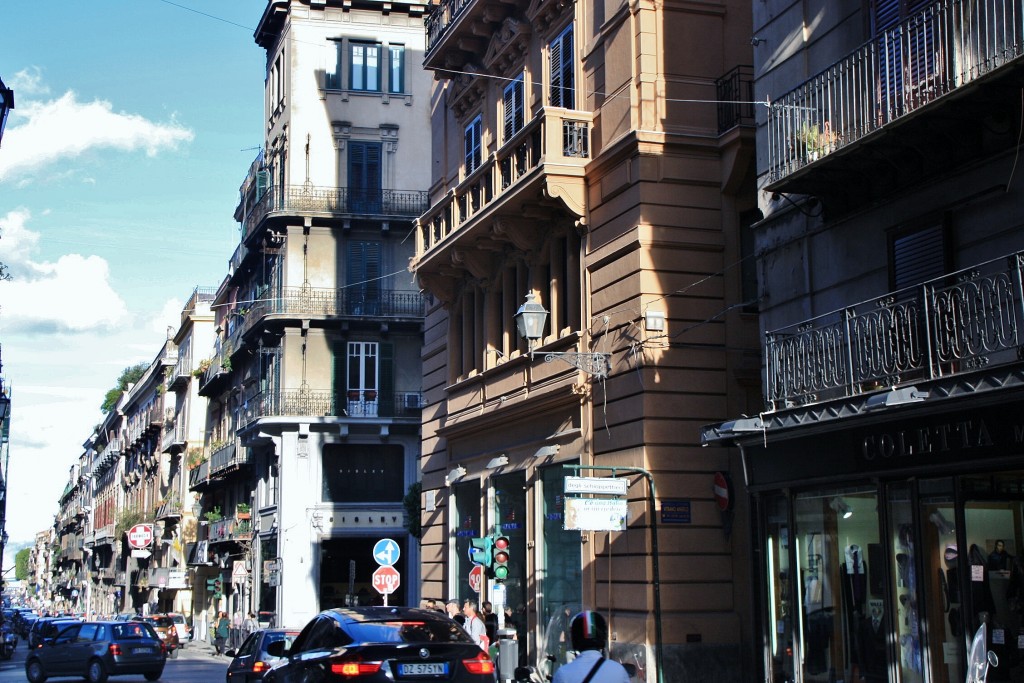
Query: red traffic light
[[501, 542]]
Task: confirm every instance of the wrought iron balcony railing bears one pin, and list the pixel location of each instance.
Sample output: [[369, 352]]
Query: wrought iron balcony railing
[[558, 139], [945, 46], [357, 404], [306, 199], [735, 92], [324, 302], [227, 456], [230, 529], [947, 326]]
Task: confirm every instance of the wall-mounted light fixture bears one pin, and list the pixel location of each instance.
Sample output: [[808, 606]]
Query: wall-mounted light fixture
[[453, 476], [499, 461], [841, 507], [530, 320], [895, 397]]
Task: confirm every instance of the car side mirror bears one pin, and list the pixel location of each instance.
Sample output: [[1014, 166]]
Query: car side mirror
[[277, 649], [229, 653]]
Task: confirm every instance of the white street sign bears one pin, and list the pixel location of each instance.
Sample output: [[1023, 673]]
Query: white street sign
[[611, 486]]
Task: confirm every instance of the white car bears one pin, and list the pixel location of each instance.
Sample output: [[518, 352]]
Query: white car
[[182, 627]]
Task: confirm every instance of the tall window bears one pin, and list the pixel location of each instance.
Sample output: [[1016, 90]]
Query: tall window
[[396, 69], [473, 145], [512, 108], [365, 72], [362, 378], [562, 86], [364, 177], [362, 278], [332, 66]]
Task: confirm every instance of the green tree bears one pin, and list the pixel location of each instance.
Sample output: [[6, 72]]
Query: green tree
[[21, 564], [129, 375]]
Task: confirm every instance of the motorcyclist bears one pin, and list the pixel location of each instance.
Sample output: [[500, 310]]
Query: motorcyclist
[[589, 633]]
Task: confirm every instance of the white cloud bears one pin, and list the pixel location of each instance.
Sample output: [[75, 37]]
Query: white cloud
[[28, 82], [64, 128], [72, 294]]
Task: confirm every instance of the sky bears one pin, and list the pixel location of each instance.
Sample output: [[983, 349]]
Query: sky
[[134, 124]]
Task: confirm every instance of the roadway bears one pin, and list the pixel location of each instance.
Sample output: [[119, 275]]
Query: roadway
[[197, 662]]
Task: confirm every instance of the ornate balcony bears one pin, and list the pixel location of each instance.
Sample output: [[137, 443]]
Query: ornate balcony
[[331, 202], [545, 160], [230, 529], [953, 325], [355, 404], [825, 137]]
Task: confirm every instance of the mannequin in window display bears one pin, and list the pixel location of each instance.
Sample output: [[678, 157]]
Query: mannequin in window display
[[853, 575], [818, 601], [999, 560]]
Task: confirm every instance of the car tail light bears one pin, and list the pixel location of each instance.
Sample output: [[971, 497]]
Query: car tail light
[[163, 648], [259, 667], [354, 667], [481, 664], [115, 649], [171, 631]]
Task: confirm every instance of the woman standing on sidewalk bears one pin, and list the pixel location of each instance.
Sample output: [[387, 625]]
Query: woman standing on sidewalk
[[221, 630]]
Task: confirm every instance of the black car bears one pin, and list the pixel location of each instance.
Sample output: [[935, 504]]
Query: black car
[[97, 649], [381, 645], [251, 661], [48, 627]]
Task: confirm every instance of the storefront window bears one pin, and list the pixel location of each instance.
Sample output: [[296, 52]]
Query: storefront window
[[780, 604], [944, 610], [510, 520], [841, 586], [562, 574], [467, 526], [993, 570], [908, 628]]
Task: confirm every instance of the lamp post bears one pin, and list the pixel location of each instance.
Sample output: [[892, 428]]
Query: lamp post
[[530, 320], [6, 105]]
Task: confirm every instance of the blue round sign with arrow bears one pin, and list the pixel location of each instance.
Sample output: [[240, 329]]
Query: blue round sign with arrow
[[386, 552]]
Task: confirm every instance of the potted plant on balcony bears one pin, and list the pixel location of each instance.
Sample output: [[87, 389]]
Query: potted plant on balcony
[[242, 511], [813, 143], [213, 515], [195, 458], [204, 365]]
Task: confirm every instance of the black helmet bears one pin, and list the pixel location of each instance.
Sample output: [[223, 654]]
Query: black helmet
[[589, 631]]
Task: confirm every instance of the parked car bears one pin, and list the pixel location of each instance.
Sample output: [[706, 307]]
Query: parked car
[[47, 627], [184, 630], [251, 661], [97, 649], [164, 626], [381, 645]]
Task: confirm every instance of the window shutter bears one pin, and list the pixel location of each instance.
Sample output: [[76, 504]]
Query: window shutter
[[386, 367], [340, 380], [918, 256], [508, 108], [562, 85]]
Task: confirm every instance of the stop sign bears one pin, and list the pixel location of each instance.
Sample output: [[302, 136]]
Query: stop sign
[[140, 536], [386, 580], [476, 578]]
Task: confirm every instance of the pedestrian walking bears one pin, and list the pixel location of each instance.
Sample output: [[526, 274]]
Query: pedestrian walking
[[452, 608], [221, 631], [249, 625], [475, 625], [589, 633]]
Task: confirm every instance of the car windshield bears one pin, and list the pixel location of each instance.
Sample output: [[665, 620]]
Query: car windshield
[[162, 622], [133, 630], [407, 631]]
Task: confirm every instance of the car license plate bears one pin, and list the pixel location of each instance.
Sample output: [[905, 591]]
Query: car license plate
[[438, 669], [142, 650]]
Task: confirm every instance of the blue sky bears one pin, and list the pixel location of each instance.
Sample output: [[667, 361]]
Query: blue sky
[[135, 122]]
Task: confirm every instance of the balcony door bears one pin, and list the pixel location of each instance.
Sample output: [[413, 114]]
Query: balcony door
[[364, 177], [362, 278], [909, 63]]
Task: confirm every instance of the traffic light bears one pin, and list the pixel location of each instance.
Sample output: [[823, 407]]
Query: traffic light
[[480, 551], [214, 586], [499, 557]]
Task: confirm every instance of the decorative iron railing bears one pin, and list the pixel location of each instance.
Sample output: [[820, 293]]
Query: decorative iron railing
[[335, 200], [307, 402], [230, 529], [735, 94], [354, 301], [441, 17], [556, 137], [947, 326], [227, 456], [945, 46]]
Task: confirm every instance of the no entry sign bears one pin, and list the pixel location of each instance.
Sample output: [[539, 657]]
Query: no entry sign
[[476, 578]]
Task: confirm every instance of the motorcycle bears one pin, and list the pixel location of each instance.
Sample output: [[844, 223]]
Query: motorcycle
[[8, 643]]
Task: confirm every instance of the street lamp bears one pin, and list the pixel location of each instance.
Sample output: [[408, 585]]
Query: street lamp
[[530, 320], [6, 105]]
